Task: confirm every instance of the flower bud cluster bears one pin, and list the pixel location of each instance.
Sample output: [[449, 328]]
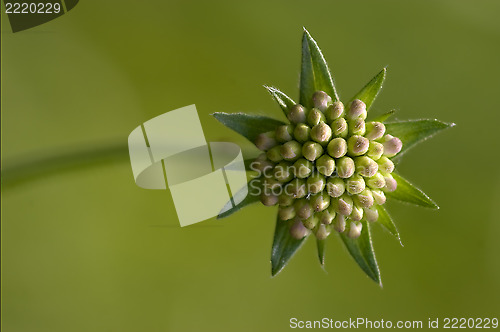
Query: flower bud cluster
[[328, 169]]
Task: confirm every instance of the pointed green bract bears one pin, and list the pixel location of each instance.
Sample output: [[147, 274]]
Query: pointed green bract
[[249, 126], [408, 193], [284, 246], [361, 249], [412, 132], [384, 117], [321, 244], [250, 197], [282, 99], [386, 221], [315, 74], [371, 90]]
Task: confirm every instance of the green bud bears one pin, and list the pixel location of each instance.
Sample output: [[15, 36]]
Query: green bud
[[356, 109], [335, 187], [325, 165], [371, 214], [321, 133], [296, 188], [321, 100], [355, 229], [357, 127], [326, 216], [320, 201], [312, 150], [366, 166], [302, 132], [378, 196], [285, 200], [297, 114], [315, 116], [337, 147], [265, 141], [323, 231], [355, 184], [374, 130], [392, 145], [311, 222], [291, 150], [303, 208], [315, 183], [375, 182], [261, 164], [268, 199], [345, 167], [283, 172], [334, 111], [339, 127], [302, 168], [298, 231], [375, 150], [270, 184], [390, 183], [357, 145], [343, 204], [284, 133], [286, 213], [357, 213], [274, 154], [364, 199], [339, 223], [385, 165]]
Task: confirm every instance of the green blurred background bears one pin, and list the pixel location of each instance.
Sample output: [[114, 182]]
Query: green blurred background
[[85, 249]]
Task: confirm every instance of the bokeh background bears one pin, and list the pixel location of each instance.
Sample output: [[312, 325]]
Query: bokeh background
[[85, 249]]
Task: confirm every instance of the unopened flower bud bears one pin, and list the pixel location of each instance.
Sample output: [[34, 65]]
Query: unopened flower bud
[[375, 182], [265, 141], [298, 231], [339, 127], [314, 117], [261, 164], [371, 214], [339, 223], [337, 147], [270, 185], [320, 201], [311, 222], [356, 109], [284, 133], [343, 204], [385, 165], [325, 165], [345, 167], [355, 229], [357, 213], [366, 166], [375, 150], [285, 200], [286, 212], [323, 231], [316, 183], [274, 154], [335, 187], [296, 188], [326, 216], [312, 150], [390, 183], [357, 127], [321, 100], [334, 111], [297, 114], [321, 133], [291, 150], [392, 145], [302, 168], [303, 208], [268, 199], [357, 145], [283, 172], [364, 198], [355, 184], [378, 196], [302, 132], [374, 130]]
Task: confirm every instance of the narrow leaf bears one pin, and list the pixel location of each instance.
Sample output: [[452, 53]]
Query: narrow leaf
[[384, 117], [315, 74], [251, 196], [321, 250], [412, 132], [249, 126], [361, 249], [282, 99], [386, 221], [371, 90], [284, 246], [408, 193]]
